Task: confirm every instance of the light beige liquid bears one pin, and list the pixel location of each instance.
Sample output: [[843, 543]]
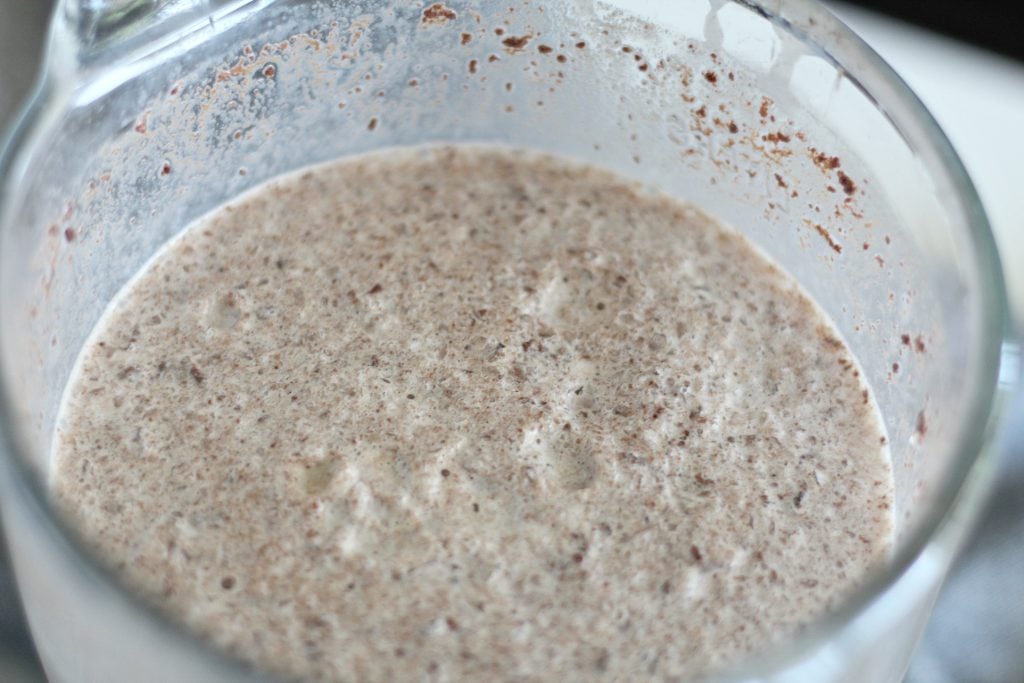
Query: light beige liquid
[[474, 414]]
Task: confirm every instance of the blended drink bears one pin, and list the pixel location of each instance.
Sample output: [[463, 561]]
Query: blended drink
[[473, 413]]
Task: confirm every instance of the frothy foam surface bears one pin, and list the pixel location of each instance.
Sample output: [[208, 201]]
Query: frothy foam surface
[[464, 413]]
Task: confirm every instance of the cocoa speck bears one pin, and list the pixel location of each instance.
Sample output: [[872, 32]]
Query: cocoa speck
[[438, 14], [849, 187], [515, 43]]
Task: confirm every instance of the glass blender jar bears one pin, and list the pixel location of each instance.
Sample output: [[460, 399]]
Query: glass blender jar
[[771, 115]]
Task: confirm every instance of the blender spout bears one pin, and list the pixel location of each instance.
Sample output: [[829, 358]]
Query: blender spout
[[95, 34]]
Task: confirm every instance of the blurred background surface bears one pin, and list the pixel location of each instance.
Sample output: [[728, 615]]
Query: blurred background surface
[[966, 62]]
